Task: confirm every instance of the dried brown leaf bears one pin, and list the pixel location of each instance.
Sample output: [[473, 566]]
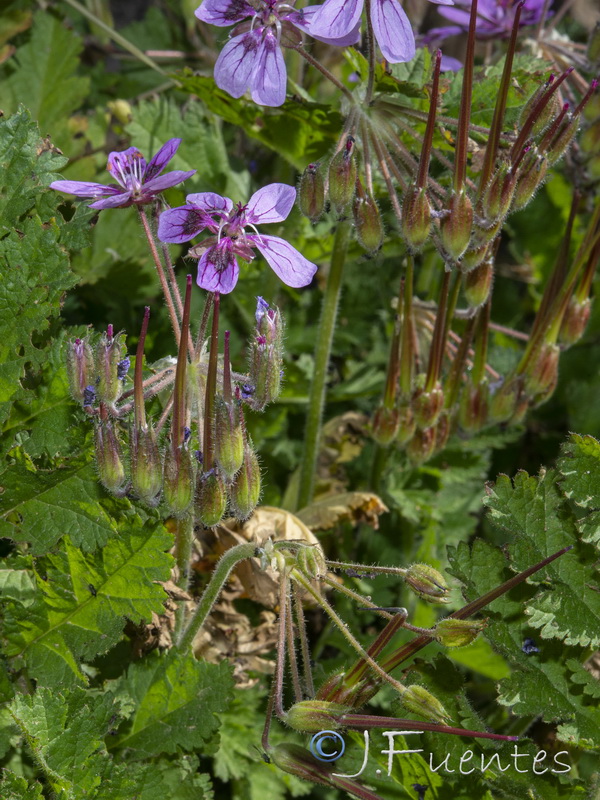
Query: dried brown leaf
[[356, 507]]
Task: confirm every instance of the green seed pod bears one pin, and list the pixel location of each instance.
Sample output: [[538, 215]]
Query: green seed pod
[[110, 353], [478, 284], [473, 407], [456, 228], [310, 560], [178, 480], [266, 356], [311, 192], [244, 492], [531, 176], [108, 458], [419, 701], [565, 135], [312, 716], [544, 117], [428, 406], [80, 369], [497, 197], [421, 447], [458, 632], [336, 690], [542, 370], [476, 253], [367, 221], [297, 761], [146, 464], [385, 424], [442, 432], [427, 583], [342, 177], [416, 217], [575, 321], [406, 423], [211, 498], [503, 400], [229, 436]]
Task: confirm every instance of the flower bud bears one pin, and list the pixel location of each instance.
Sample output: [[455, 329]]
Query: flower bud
[[473, 407], [575, 321], [229, 436], [108, 458], [311, 192], [416, 217], [458, 632], [427, 583], [80, 370], [542, 370], [297, 761], [310, 560], [456, 227], [146, 466], [503, 400], [384, 427], [342, 176], [478, 283], [244, 492], [442, 432], [266, 356], [178, 480], [367, 221], [421, 447], [428, 406], [110, 352], [418, 700], [530, 177], [406, 423], [312, 716], [211, 498]]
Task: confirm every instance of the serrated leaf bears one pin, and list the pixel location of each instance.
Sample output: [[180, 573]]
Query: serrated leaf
[[83, 599], [536, 513], [14, 787], [176, 701], [44, 71]]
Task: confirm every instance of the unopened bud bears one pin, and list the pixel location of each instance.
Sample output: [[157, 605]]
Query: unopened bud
[[531, 175], [312, 716], [211, 498], [542, 370], [428, 406], [419, 701], [146, 466], [456, 227], [123, 368], [178, 480], [229, 436], [311, 192], [427, 583], [342, 176], [80, 370], [478, 284], [416, 217], [266, 356], [244, 492], [108, 458], [110, 353], [421, 447], [503, 400], [575, 321], [458, 632], [310, 560], [367, 221], [473, 407], [384, 427], [406, 423]]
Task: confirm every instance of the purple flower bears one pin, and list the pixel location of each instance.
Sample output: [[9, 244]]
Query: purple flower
[[217, 266], [336, 18], [494, 18], [138, 181], [252, 58]]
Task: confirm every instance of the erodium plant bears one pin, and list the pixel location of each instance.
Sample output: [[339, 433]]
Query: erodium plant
[[347, 340]]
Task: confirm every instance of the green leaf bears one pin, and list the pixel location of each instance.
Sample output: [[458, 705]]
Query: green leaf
[[44, 71], [177, 702], [13, 787], [40, 507], [83, 599]]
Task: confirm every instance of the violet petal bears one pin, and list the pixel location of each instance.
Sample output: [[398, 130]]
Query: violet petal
[[127, 167], [285, 261], [85, 189], [181, 224], [236, 63], [161, 159], [336, 18], [210, 202], [115, 201], [224, 12], [303, 19], [269, 78], [167, 180], [272, 203], [393, 31], [218, 269]]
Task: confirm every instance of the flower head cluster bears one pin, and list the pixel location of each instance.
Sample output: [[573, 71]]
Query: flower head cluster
[[138, 181], [252, 58], [391, 27], [218, 268]]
